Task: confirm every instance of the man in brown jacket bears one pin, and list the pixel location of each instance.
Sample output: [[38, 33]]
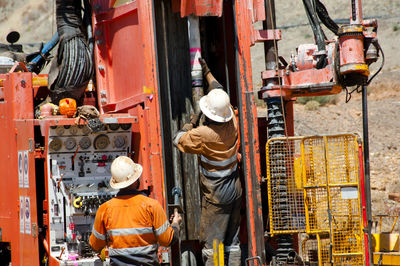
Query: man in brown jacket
[[216, 144]]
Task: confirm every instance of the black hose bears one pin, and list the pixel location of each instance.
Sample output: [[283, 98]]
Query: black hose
[[72, 69], [325, 18], [318, 33]]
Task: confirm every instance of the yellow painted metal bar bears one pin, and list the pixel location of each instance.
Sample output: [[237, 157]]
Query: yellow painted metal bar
[[319, 250], [394, 224], [387, 258], [215, 252], [328, 193], [39, 81], [270, 213], [303, 161], [221, 254]]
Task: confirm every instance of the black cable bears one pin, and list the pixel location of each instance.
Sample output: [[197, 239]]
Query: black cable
[[376, 44], [323, 15], [74, 64], [317, 30]]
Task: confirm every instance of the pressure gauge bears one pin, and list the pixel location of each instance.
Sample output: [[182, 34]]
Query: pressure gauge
[[55, 144], [113, 127], [73, 130], [125, 126], [70, 143], [85, 143], [60, 130], [119, 142], [101, 142], [85, 130]]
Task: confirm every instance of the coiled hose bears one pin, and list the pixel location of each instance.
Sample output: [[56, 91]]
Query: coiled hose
[[72, 69]]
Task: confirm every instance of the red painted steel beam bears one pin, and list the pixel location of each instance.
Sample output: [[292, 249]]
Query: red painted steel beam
[[267, 35], [249, 134], [116, 13]]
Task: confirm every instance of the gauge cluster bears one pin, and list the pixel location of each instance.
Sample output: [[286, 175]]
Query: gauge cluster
[[114, 137], [79, 164]]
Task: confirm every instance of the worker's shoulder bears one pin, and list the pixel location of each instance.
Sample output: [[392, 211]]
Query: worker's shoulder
[[203, 131]]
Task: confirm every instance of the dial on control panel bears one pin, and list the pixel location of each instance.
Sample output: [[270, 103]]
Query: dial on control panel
[[55, 144], [101, 142], [85, 143], [119, 142], [70, 143]]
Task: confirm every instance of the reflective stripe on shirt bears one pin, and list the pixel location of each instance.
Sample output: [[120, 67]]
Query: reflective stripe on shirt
[[219, 173], [130, 231], [219, 163], [161, 229], [178, 136], [131, 251], [98, 235]]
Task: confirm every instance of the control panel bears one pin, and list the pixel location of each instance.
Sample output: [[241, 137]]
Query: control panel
[[79, 164]]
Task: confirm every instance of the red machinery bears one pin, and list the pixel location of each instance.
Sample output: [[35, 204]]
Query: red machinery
[[55, 172]]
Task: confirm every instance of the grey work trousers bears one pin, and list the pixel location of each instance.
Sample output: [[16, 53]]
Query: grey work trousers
[[221, 222]]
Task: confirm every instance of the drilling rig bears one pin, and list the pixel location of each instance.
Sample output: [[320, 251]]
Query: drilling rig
[[137, 62]]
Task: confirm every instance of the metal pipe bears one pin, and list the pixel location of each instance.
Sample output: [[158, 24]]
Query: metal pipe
[[269, 24], [225, 56], [356, 12], [195, 54], [366, 170], [363, 204]]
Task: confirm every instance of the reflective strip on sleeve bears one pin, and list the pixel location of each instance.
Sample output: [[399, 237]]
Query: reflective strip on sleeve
[[98, 235], [161, 229], [178, 136], [219, 163], [131, 251], [232, 248], [220, 173], [130, 231]]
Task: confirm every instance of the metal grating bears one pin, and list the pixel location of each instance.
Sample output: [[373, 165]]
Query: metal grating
[[285, 192], [332, 198], [313, 187]]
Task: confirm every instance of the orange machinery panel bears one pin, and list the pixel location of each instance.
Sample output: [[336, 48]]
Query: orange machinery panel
[[126, 72], [18, 219]]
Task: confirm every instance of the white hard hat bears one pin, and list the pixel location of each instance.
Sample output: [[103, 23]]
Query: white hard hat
[[216, 106], [124, 172]]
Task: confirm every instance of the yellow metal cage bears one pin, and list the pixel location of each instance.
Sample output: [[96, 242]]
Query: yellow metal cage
[[313, 187]]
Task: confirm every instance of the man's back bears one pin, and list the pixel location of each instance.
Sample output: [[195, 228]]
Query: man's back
[[133, 224]]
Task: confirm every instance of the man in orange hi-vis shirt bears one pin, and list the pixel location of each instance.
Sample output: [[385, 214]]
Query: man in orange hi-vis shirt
[[132, 225]]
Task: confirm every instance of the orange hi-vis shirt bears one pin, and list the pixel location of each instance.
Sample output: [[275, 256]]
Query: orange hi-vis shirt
[[131, 226]]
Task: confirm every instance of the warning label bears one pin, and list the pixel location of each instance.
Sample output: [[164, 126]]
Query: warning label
[[21, 214], [26, 169], [27, 215], [20, 169]]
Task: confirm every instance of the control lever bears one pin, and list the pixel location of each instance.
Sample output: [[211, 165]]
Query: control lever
[[82, 167], [176, 193]]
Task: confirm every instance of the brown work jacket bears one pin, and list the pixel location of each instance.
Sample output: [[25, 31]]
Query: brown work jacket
[[216, 144]]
